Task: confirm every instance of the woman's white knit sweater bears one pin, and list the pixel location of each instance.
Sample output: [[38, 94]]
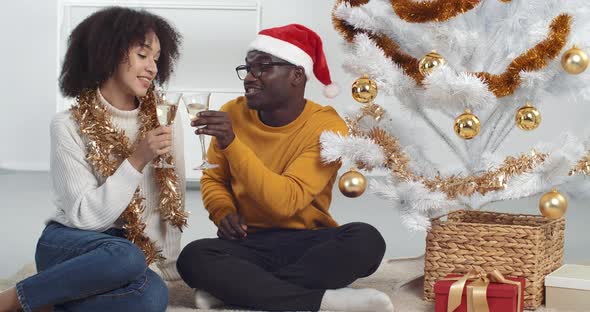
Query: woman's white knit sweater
[[86, 201]]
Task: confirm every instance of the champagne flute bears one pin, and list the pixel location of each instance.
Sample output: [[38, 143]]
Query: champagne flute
[[196, 102], [166, 107]]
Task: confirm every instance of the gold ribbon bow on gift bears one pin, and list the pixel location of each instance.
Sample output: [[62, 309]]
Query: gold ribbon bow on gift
[[476, 291]]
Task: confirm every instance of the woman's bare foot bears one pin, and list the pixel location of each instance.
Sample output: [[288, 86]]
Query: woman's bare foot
[[9, 301]]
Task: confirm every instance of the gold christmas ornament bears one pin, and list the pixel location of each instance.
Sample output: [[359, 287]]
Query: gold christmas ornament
[[528, 117], [364, 90], [430, 62], [352, 183], [574, 61], [467, 125], [553, 205]]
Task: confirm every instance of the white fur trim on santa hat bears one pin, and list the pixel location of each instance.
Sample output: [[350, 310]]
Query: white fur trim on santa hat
[[285, 50], [331, 90]]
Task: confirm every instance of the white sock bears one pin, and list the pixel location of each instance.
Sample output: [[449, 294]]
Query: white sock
[[358, 300], [205, 300]]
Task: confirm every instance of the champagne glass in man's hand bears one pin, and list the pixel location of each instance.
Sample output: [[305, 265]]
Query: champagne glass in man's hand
[[196, 102]]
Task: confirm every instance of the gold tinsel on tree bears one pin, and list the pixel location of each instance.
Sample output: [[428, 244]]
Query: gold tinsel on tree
[[503, 84], [453, 186]]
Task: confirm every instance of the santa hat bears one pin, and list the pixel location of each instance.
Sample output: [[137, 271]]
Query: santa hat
[[300, 46]]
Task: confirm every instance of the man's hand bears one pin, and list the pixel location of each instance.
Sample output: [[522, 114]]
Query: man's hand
[[232, 227], [216, 124]]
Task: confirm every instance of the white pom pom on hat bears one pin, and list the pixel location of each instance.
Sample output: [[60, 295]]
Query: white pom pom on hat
[[331, 90], [297, 45]]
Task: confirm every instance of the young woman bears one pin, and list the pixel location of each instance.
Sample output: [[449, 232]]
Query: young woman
[[116, 213]]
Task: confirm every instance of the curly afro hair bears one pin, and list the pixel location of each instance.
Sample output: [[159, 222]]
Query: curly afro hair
[[100, 43]]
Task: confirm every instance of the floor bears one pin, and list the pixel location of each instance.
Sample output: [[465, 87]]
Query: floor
[[25, 203]]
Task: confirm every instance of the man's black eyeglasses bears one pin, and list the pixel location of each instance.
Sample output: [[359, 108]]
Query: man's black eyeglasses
[[257, 69]]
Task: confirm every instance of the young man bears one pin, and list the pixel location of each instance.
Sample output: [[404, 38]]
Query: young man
[[278, 247]]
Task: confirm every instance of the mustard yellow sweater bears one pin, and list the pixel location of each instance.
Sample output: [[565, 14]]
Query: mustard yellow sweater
[[273, 176]]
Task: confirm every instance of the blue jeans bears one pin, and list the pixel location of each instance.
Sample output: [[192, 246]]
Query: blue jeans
[[91, 271]]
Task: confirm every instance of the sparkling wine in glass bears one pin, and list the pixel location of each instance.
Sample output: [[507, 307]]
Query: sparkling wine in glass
[[196, 102], [166, 114], [166, 107]]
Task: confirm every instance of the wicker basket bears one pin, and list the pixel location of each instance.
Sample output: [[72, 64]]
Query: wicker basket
[[517, 245]]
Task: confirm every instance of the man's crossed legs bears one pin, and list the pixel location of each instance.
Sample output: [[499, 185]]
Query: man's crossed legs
[[289, 270]]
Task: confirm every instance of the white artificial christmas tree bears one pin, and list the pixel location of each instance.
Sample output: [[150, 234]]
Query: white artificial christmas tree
[[497, 56]]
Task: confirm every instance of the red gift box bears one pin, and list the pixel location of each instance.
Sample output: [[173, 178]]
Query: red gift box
[[501, 297]]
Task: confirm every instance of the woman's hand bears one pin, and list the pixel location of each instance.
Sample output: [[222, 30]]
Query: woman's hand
[[156, 142]]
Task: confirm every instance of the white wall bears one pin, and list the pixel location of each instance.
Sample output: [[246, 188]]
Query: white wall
[[29, 33], [27, 83]]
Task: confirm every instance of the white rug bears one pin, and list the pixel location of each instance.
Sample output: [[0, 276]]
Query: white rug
[[401, 279]]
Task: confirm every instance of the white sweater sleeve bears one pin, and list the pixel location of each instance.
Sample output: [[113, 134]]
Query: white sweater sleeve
[[172, 234], [86, 204]]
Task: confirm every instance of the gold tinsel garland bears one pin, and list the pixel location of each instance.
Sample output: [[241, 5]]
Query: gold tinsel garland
[[492, 180], [582, 167], [109, 146], [453, 186], [426, 11], [398, 163], [501, 85], [431, 11], [355, 3], [533, 59], [166, 178]]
